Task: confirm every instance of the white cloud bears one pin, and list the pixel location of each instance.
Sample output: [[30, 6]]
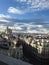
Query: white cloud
[[40, 4], [21, 0], [23, 27], [3, 18], [30, 28], [15, 10], [40, 30], [34, 5], [15, 28], [2, 28], [32, 31], [26, 28]]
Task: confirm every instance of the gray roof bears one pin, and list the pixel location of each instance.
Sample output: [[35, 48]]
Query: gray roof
[[12, 61]]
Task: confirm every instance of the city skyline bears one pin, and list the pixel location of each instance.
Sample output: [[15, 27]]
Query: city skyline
[[25, 16]]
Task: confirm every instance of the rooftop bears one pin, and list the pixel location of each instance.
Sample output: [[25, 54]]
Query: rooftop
[[11, 61]]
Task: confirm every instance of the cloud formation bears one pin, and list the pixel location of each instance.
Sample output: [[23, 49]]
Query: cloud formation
[[28, 28], [3, 18], [29, 6], [23, 26], [33, 5], [15, 10]]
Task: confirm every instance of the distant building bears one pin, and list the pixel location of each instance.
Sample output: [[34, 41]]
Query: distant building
[[8, 31], [19, 52], [42, 46], [5, 48], [7, 34]]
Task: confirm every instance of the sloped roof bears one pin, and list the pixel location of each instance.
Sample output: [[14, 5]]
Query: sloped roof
[[12, 61]]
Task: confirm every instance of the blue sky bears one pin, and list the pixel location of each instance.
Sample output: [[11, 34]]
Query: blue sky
[[25, 16]]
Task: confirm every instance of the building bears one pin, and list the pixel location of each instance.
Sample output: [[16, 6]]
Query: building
[[42, 46], [19, 52], [8, 31]]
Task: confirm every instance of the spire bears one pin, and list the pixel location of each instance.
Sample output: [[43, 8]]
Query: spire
[[7, 27], [8, 31]]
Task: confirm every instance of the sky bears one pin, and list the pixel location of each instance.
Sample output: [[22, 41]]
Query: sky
[[24, 16]]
